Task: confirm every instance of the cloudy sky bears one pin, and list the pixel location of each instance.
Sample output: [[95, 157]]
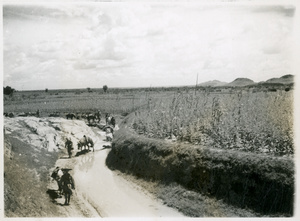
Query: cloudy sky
[[58, 46]]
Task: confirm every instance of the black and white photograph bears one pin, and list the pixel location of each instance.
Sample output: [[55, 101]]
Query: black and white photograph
[[170, 109]]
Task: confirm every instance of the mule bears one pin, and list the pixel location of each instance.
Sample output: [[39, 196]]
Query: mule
[[84, 142], [91, 117], [70, 115]]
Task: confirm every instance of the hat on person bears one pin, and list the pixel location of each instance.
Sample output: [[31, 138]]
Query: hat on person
[[65, 169]]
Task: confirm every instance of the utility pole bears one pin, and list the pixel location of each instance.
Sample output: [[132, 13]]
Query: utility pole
[[196, 83], [133, 101]]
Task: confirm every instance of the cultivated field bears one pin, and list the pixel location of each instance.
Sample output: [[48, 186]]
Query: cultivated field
[[72, 101], [243, 119], [257, 122]]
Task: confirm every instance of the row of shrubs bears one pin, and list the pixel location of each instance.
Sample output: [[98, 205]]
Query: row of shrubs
[[262, 183]]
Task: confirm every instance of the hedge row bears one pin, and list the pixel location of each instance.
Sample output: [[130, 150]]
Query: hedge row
[[259, 182]]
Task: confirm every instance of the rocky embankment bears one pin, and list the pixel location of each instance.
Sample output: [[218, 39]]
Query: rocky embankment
[[32, 147]]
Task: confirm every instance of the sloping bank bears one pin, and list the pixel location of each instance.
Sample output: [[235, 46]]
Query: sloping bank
[[262, 183]]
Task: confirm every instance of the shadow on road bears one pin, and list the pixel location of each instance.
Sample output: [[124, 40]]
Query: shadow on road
[[82, 152], [106, 147], [64, 157], [53, 194]]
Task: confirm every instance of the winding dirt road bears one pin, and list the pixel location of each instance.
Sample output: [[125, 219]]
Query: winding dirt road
[[101, 192]]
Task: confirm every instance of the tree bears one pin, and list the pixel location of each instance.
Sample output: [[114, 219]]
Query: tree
[[46, 90], [105, 88], [8, 90]]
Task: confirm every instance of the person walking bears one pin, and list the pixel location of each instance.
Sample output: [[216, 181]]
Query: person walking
[[109, 133], [113, 121], [69, 146], [68, 184]]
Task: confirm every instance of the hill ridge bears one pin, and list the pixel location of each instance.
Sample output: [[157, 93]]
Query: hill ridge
[[240, 82]]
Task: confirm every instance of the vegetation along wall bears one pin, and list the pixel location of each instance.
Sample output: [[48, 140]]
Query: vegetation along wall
[[260, 182]]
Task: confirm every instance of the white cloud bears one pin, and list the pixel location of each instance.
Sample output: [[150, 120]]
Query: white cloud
[[144, 44]]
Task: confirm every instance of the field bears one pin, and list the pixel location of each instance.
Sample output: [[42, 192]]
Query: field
[[233, 144], [257, 122], [242, 119], [72, 101]]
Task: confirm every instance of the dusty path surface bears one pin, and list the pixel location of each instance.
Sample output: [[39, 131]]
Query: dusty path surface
[[101, 192]]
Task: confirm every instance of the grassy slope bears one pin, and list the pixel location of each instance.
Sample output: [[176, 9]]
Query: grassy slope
[[26, 175], [265, 184]]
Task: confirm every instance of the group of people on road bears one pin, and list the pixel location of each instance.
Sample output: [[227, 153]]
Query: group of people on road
[[64, 180], [65, 183]]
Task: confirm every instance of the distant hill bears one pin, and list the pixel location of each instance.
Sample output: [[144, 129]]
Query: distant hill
[[240, 82], [286, 79], [214, 83]]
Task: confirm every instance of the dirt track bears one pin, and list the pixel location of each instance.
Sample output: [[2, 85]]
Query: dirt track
[[101, 192]]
